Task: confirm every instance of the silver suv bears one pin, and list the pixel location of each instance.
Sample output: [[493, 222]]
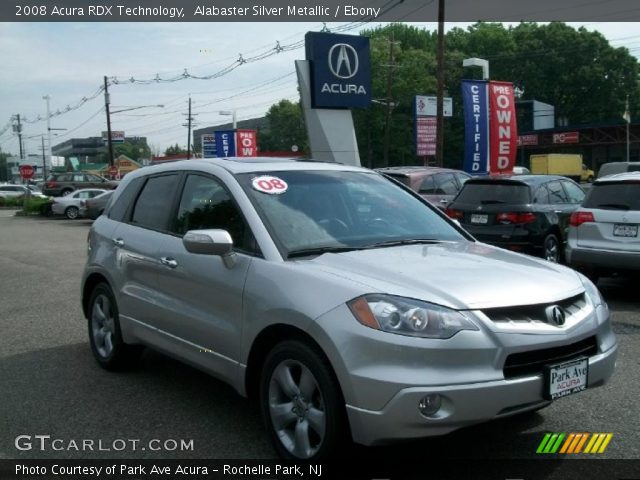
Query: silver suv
[[345, 303], [603, 232]]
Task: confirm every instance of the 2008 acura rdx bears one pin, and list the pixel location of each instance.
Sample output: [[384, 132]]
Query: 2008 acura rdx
[[341, 300]]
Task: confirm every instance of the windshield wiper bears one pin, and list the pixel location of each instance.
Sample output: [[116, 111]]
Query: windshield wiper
[[490, 202], [305, 252], [617, 206], [408, 241]]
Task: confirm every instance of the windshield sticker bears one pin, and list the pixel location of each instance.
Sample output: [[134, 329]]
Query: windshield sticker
[[270, 185]]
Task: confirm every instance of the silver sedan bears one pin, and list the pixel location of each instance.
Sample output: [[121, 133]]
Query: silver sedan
[[69, 205], [344, 302]]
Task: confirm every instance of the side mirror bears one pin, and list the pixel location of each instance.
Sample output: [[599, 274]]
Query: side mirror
[[208, 242]]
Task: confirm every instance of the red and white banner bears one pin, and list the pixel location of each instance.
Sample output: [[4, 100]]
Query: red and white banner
[[524, 140], [503, 130], [246, 143], [426, 136], [566, 137]]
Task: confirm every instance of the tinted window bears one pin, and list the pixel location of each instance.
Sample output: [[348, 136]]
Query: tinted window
[[487, 193], [542, 195], [556, 193], [64, 178], [428, 186], [614, 196], [94, 178], [78, 177], [119, 209], [205, 203], [462, 178], [574, 192], [446, 184], [154, 202]]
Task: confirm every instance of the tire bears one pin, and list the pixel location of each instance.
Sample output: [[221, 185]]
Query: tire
[[298, 384], [66, 192], [105, 336], [551, 249], [71, 213]]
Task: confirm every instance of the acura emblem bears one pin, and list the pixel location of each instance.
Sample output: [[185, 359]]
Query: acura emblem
[[343, 60], [555, 315]]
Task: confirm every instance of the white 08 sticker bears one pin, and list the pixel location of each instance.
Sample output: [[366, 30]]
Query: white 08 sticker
[[271, 185]]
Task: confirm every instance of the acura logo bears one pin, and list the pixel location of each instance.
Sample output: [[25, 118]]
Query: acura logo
[[555, 315], [343, 60]]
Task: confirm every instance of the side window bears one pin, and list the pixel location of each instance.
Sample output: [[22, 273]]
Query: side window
[[119, 209], [446, 184], [574, 192], [65, 178], [461, 177], [542, 195], [428, 186], [78, 177], [154, 202], [204, 204], [93, 178], [556, 193]]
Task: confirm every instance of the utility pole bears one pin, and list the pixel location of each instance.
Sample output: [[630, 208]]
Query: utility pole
[[389, 102], [47, 98], [440, 88], [106, 107], [188, 125], [17, 128], [44, 161]]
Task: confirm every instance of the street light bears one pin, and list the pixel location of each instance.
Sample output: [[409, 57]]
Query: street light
[[229, 112], [478, 62]]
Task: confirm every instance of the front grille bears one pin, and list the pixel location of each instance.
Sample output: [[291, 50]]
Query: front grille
[[534, 313], [532, 363]]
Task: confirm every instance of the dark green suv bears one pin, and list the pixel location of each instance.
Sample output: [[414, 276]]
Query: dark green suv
[[62, 184]]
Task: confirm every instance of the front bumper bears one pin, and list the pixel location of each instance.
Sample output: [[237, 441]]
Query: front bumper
[[462, 405], [384, 376]]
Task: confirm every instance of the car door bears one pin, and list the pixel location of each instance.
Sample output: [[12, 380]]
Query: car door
[[137, 240], [200, 297]]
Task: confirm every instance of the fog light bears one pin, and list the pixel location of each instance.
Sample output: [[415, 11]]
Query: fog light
[[430, 404]]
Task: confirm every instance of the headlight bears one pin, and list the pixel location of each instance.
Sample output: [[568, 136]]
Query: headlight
[[592, 291], [406, 316]]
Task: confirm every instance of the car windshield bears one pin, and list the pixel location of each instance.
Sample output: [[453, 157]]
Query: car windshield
[[488, 193], [614, 196], [319, 211]]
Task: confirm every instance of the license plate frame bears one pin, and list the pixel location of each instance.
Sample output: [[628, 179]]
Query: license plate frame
[[479, 218], [621, 229], [574, 374]]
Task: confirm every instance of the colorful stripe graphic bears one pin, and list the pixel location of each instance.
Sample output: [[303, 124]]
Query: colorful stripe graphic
[[574, 443]]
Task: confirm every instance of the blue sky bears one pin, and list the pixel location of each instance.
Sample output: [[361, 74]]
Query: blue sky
[[68, 61]]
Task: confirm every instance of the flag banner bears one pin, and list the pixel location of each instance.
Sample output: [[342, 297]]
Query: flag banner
[[503, 127], [247, 143], [476, 127]]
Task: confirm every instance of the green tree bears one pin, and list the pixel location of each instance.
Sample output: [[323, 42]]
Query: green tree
[[3, 166], [286, 128], [133, 150], [175, 150]]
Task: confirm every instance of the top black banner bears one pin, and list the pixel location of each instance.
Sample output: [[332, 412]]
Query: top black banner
[[316, 10]]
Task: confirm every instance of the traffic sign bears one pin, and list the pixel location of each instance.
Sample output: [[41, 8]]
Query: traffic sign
[[26, 172]]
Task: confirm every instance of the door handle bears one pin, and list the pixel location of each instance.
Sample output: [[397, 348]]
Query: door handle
[[169, 262], [444, 200], [118, 242]]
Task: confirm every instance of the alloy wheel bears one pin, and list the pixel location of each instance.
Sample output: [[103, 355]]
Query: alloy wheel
[[102, 325]]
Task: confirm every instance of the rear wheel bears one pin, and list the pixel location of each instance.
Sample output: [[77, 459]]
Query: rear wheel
[[551, 249], [105, 337], [301, 403], [71, 213]]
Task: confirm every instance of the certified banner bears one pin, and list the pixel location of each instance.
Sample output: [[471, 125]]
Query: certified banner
[[504, 130], [476, 127]]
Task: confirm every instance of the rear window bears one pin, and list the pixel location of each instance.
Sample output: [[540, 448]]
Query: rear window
[[614, 196], [478, 193]]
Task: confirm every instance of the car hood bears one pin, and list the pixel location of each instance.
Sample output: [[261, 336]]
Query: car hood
[[460, 275]]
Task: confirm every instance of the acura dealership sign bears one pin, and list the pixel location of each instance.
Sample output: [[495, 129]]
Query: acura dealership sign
[[340, 70]]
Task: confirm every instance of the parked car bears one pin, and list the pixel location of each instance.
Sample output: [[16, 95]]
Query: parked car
[[61, 184], [93, 207], [518, 170], [437, 185], [612, 168], [524, 213], [69, 205], [8, 190], [347, 305], [603, 232]]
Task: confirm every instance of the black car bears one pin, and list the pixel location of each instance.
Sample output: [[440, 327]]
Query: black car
[[524, 213]]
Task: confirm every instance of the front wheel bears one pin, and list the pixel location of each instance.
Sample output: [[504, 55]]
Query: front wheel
[[301, 403], [105, 337], [71, 213], [551, 249]]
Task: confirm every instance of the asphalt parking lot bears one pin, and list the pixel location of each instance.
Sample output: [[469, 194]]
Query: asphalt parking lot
[[50, 384]]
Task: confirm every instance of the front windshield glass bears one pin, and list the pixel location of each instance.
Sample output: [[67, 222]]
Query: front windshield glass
[[338, 209]]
